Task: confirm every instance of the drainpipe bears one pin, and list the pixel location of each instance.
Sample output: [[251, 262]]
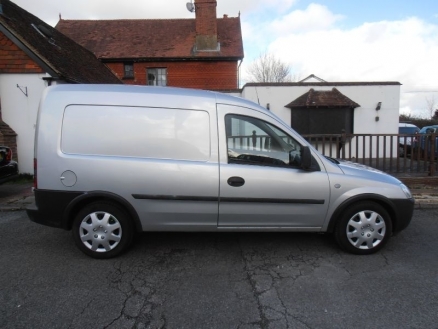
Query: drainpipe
[[238, 74]]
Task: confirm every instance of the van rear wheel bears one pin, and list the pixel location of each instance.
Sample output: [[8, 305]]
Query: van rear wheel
[[102, 230], [364, 228]]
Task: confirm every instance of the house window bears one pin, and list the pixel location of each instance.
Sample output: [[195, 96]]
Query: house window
[[157, 77], [129, 70]]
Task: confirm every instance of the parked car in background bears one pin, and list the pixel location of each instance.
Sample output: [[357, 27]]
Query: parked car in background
[[424, 140], [405, 142], [428, 130], [8, 167]]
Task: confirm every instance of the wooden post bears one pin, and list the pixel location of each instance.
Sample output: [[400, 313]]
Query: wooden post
[[342, 144], [433, 141], [254, 139]]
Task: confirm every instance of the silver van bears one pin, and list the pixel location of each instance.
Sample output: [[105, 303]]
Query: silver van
[[114, 160]]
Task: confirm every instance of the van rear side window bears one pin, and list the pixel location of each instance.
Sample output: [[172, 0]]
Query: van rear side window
[[136, 132]]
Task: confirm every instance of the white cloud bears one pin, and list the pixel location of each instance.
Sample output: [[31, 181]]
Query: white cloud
[[48, 10], [259, 7], [281, 6], [315, 17], [404, 51]]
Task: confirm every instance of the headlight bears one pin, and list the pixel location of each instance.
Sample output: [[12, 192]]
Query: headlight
[[406, 191]]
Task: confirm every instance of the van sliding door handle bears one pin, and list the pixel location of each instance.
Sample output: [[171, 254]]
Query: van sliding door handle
[[235, 181]]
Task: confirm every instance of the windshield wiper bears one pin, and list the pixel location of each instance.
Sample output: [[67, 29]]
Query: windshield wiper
[[332, 160]]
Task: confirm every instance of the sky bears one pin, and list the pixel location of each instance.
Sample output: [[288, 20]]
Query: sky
[[336, 40]]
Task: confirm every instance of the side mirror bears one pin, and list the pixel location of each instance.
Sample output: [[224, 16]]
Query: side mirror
[[306, 158]]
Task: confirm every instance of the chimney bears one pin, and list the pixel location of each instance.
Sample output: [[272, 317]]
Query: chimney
[[206, 25]]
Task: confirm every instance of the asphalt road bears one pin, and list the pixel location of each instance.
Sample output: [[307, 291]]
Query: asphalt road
[[224, 280]]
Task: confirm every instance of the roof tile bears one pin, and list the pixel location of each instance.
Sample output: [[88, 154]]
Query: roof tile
[[151, 38], [63, 56], [324, 99]]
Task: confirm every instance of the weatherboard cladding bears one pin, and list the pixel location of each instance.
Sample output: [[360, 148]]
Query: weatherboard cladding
[[152, 39], [51, 50], [322, 99]]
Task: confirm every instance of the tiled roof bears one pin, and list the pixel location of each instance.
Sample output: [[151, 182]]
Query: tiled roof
[[322, 99], [152, 38], [57, 54]]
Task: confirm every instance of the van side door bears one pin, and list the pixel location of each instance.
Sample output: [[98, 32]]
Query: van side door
[[262, 184]]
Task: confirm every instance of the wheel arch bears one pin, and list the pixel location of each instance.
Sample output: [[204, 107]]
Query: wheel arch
[[381, 200], [82, 200]]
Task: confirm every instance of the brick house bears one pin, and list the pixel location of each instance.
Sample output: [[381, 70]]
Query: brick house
[[34, 55], [201, 53]]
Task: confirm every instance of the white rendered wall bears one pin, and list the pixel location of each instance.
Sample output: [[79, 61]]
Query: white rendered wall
[[20, 112], [277, 97], [367, 96]]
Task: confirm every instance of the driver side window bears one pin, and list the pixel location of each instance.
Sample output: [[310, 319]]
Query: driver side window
[[257, 142]]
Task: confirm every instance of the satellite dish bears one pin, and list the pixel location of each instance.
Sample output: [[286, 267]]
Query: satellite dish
[[190, 7]]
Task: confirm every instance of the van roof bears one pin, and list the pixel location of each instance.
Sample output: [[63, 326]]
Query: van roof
[[117, 94], [403, 124]]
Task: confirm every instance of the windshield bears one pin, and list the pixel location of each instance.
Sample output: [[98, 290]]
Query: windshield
[[408, 130]]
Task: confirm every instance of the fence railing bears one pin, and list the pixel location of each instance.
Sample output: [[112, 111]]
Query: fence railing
[[400, 154], [392, 153]]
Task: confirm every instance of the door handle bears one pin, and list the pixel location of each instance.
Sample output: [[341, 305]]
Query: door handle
[[235, 181]]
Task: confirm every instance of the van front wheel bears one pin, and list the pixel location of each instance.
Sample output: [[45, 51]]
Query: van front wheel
[[364, 228], [102, 230]]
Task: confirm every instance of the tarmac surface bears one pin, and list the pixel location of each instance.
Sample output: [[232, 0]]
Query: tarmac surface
[[18, 195]]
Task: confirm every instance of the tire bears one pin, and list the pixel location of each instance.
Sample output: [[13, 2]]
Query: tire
[[364, 228], [102, 230]]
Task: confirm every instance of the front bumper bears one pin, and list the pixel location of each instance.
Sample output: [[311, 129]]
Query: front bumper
[[404, 210]]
